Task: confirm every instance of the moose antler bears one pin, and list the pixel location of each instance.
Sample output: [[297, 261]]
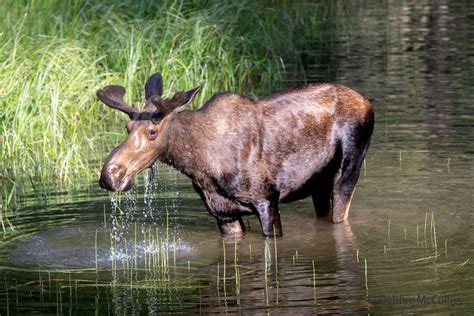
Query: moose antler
[[113, 97], [180, 99]]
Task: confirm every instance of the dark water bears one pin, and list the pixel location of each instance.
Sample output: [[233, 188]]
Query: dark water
[[407, 248]]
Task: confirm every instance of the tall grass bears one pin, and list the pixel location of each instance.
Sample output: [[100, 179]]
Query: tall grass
[[54, 55]]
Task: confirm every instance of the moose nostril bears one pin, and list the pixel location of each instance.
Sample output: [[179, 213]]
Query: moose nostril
[[103, 183], [111, 177]]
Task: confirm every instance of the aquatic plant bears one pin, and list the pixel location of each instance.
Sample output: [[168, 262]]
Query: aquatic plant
[[56, 54]]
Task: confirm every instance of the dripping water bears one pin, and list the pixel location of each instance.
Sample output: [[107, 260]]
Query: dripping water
[[161, 208]]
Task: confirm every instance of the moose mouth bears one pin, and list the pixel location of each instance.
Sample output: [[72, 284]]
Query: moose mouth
[[126, 184], [117, 178], [111, 184]]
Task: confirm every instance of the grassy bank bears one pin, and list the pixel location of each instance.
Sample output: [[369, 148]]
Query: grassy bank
[[55, 54]]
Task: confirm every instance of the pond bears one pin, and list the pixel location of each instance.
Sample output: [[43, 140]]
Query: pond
[[408, 245]]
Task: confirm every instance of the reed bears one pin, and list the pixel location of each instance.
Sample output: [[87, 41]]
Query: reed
[[218, 282], [425, 242], [388, 233], [267, 263], [55, 54], [314, 280], [96, 256], [433, 234], [224, 271], [417, 235], [446, 248], [365, 272], [236, 272], [400, 159], [277, 276], [7, 297]]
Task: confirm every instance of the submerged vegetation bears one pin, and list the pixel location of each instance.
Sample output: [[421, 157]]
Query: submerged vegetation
[[148, 269], [55, 54]]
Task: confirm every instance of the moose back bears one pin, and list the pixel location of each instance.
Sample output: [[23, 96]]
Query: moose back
[[244, 156]]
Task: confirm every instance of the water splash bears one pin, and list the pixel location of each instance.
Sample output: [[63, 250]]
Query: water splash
[[175, 198], [161, 206], [151, 187]]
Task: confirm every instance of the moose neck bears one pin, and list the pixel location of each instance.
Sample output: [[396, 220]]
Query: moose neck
[[179, 144]]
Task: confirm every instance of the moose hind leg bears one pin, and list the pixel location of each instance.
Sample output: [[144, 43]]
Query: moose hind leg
[[346, 180], [342, 197], [324, 186], [332, 200], [322, 199]]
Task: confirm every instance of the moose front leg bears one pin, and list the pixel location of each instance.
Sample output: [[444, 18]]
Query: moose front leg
[[269, 217], [232, 226], [227, 212]]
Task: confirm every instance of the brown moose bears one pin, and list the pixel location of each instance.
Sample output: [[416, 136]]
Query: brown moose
[[244, 155]]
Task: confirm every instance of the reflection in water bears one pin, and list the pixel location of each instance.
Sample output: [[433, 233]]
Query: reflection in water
[[146, 269], [413, 60], [260, 275]]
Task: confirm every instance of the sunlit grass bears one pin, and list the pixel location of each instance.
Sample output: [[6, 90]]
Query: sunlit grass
[[55, 54]]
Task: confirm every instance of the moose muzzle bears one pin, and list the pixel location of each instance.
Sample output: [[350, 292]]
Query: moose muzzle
[[113, 178]]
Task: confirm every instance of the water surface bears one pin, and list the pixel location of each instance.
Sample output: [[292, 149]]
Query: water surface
[[408, 244]]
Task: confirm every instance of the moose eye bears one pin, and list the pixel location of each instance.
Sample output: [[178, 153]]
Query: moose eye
[[152, 133]]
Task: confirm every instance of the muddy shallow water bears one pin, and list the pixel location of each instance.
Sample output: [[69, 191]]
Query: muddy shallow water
[[407, 247]]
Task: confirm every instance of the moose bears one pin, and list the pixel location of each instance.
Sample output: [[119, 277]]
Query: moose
[[244, 156]]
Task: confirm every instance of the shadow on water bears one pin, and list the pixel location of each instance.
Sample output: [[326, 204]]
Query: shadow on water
[[408, 246]]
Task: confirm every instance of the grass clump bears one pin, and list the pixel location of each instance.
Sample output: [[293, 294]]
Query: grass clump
[[55, 54]]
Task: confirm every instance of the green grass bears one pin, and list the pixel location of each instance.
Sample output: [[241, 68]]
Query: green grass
[[55, 54]]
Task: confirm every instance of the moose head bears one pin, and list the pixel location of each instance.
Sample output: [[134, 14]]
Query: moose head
[[142, 146]]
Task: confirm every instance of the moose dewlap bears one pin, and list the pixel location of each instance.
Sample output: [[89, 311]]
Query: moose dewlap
[[244, 156]]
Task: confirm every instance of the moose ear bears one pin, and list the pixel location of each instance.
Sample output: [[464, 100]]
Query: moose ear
[[185, 98], [154, 86]]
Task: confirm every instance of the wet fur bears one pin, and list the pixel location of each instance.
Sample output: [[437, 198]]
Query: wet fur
[[245, 156]]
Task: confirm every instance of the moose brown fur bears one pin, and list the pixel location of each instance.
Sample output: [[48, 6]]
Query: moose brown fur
[[244, 156]]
